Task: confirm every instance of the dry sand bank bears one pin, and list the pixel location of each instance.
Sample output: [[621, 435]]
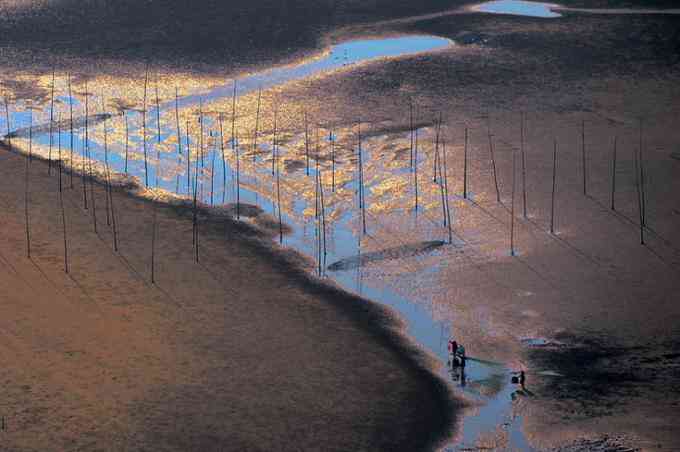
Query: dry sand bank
[[239, 352]]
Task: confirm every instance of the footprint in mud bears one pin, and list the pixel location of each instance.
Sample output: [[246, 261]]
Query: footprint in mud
[[396, 252]]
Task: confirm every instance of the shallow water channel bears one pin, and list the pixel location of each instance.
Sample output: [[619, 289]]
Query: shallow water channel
[[485, 382]]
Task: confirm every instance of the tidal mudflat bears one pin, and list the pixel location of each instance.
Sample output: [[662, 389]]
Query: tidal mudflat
[[463, 169]]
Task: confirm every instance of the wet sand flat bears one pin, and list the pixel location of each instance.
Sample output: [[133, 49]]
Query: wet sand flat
[[238, 351]]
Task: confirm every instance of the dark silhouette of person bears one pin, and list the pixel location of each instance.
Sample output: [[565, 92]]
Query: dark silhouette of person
[[521, 379]]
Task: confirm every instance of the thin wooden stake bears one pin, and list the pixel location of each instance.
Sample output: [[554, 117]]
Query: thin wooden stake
[[642, 181], [70, 104], [89, 159], [257, 122], [323, 218], [26, 190], [9, 133], [106, 165], [238, 183], [465, 165], [437, 163], [158, 114], [127, 140], [613, 207], [583, 155], [59, 147], [146, 164], [552, 203], [493, 165], [415, 169], [188, 143], [233, 120], [224, 161], [153, 241], [639, 195], [441, 187], [512, 206], [85, 159], [362, 200], [179, 138], [524, 173], [446, 192], [306, 141], [331, 138], [49, 154], [278, 199], [63, 224], [410, 116]]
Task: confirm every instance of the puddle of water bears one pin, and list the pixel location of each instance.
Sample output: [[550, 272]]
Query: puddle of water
[[167, 170], [518, 8]]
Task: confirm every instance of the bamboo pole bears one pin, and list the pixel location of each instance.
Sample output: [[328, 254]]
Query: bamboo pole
[[323, 217], [146, 164], [89, 159], [106, 165], [306, 141], [179, 138], [524, 172], [233, 123], [583, 155], [238, 183], [153, 241], [158, 114], [493, 164], [362, 200], [278, 199], [49, 153], [465, 165], [639, 195], [437, 163], [9, 133], [552, 202], [512, 205], [188, 142], [274, 143], [59, 147], [200, 147], [613, 207], [70, 104], [26, 184], [257, 122], [643, 196], [84, 168], [415, 169], [441, 189], [331, 138], [446, 190], [127, 140], [224, 161], [109, 186], [63, 224], [410, 116]]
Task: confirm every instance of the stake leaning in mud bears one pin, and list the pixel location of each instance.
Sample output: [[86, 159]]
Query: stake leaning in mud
[[493, 164]]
